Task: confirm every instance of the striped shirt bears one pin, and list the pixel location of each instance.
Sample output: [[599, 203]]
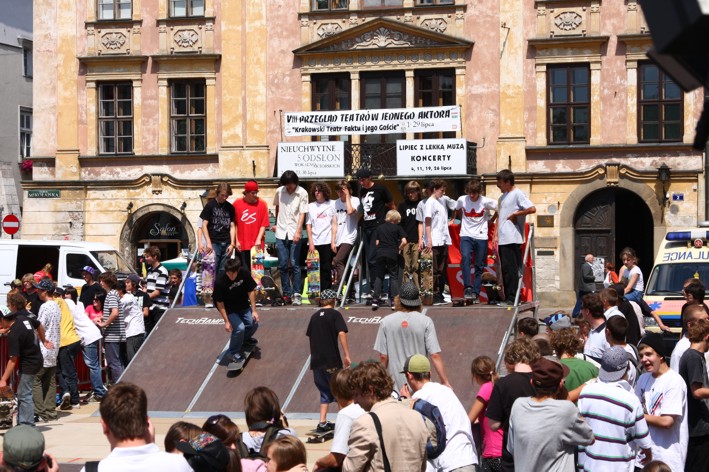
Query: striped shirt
[[116, 331], [616, 417], [158, 279]]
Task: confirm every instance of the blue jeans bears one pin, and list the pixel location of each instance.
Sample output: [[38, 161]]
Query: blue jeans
[[91, 360], [468, 246], [113, 359], [68, 378], [219, 256], [579, 302], [289, 260], [242, 327], [634, 296], [25, 404]]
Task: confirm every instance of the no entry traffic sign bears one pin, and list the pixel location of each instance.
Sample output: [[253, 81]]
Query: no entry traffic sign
[[11, 224]]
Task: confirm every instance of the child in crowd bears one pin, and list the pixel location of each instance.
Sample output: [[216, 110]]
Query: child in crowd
[[135, 324], [263, 411], [484, 374], [175, 281], [390, 240], [632, 275], [95, 310], [325, 328], [225, 429], [285, 454], [178, 432], [189, 294]]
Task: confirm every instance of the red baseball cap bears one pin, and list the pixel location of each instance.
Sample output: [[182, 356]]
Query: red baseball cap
[[251, 186]]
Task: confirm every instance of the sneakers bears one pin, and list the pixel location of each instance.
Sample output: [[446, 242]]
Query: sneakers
[[75, 406], [65, 403], [238, 359], [250, 342], [506, 303], [375, 304], [438, 299], [93, 398], [325, 427], [297, 299], [287, 300], [468, 293]]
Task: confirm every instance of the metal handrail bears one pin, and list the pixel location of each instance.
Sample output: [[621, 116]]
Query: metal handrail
[[352, 271]]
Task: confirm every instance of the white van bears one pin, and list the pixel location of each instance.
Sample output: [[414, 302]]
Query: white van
[[19, 257], [683, 254]]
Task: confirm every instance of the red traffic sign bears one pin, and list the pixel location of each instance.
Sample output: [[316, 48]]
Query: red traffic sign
[[11, 224]]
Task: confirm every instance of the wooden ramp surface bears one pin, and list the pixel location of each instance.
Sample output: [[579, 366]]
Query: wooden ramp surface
[[178, 364]]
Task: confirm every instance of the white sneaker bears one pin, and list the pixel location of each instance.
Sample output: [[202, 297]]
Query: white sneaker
[[297, 299]]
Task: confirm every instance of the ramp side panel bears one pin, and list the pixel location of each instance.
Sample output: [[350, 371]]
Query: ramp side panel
[[172, 363], [282, 351]]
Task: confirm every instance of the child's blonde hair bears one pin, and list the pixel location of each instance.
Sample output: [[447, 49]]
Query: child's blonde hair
[[393, 216]]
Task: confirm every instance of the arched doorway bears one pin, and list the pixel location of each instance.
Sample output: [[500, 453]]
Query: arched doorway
[[610, 219]]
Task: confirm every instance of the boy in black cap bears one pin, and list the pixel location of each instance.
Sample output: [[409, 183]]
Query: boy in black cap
[[325, 328]]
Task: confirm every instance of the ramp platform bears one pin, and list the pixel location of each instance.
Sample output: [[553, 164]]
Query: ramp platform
[[179, 364]]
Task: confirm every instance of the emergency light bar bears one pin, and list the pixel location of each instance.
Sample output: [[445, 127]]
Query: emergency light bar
[[687, 235]]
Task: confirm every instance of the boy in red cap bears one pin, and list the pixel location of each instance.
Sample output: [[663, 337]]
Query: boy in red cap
[[251, 222]]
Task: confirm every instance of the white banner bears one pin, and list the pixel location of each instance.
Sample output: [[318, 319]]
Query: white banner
[[382, 121], [312, 159], [431, 157]]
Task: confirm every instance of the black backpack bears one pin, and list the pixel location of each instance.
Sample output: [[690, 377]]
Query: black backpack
[[271, 434]]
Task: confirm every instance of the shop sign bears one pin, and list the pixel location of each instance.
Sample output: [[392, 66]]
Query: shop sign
[[313, 159], [379, 121], [44, 194], [432, 157], [163, 230]]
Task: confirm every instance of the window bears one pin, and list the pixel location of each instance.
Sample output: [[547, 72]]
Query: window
[[382, 90], [434, 2], [115, 118], [114, 9], [434, 88], [660, 106], [568, 104], [25, 132], [329, 5], [331, 92], [186, 8], [27, 61], [188, 116], [381, 3]]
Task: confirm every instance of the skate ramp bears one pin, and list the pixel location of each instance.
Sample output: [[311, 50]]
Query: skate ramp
[[179, 364]]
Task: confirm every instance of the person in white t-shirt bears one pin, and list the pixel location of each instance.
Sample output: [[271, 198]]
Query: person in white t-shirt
[[438, 237], [592, 311], [347, 214], [475, 213], [349, 411], [513, 207], [663, 394], [609, 297], [135, 324], [322, 230], [692, 314], [631, 274]]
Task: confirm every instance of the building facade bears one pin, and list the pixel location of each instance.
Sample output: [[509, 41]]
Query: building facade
[[141, 105], [16, 98]]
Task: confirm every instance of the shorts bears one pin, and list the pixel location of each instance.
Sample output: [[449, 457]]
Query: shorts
[[322, 382]]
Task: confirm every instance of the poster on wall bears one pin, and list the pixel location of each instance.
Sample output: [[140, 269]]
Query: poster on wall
[[312, 159], [431, 157], [380, 121]]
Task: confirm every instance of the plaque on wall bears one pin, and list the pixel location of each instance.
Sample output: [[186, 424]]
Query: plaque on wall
[[545, 221]]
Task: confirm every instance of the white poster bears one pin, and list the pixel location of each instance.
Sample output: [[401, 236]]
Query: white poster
[[381, 121], [313, 159], [431, 157]]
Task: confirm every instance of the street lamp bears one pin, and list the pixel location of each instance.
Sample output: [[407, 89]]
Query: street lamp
[[663, 175]]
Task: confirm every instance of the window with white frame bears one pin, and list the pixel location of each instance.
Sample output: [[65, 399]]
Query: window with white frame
[[114, 9], [27, 61], [188, 116], [115, 118], [25, 132], [185, 8]]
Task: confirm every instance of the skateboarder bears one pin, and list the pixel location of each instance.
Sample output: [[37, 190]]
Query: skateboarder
[[218, 226], [251, 222], [235, 299], [325, 328], [321, 225], [438, 237]]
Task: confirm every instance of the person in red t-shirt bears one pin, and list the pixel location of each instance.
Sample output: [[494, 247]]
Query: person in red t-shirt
[[251, 222]]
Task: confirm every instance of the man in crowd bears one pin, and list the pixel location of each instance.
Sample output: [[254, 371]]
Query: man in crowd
[[459, 454], [693, 369], [616, 327], [694, 293], [131, 434], [593, 313], [30, 293], [587, 283], [218, 226], [376, 201], [69, 348], [291, 202], [663, 395], [23, 450], [399, 430], [513, 207], [142, 298], [406, 332], [346, 209], [22, 349], [89, 289], [564, 429], [235, 299], [438, 238], [44, 390], [692, 314], [158, 287], [616, 417], [251, 222], [407, 209]]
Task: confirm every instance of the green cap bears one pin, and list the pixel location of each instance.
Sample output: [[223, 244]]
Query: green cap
[[417, 364], [23, 446]]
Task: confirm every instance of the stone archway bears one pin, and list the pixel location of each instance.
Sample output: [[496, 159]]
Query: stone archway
[[127, 240]]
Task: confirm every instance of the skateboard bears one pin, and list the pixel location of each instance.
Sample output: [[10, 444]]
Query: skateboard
[[257, 272], [272, 295], [315, 437], [465, 301], [8, 407], [238, 366], [426, 277], [312, 262], [208, 272]]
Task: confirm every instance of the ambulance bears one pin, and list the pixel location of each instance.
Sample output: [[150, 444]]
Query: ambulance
[[683, 254]]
